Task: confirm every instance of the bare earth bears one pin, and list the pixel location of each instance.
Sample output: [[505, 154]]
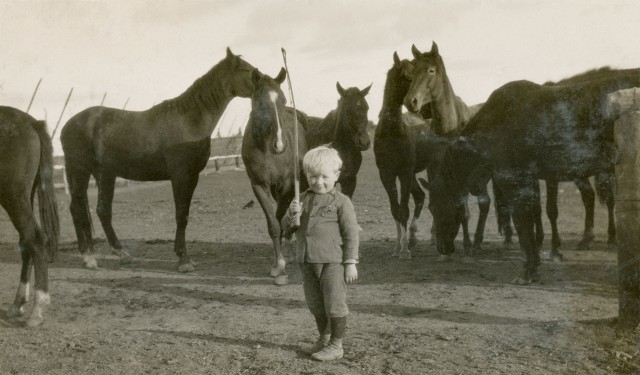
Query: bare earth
[[407, 317]]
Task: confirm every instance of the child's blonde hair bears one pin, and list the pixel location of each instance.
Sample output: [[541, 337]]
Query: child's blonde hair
[[321, 156]]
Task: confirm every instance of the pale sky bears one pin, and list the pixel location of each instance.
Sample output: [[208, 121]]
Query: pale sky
[[149, 51]]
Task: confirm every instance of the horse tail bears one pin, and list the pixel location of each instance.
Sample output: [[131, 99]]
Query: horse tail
[[47, 204]]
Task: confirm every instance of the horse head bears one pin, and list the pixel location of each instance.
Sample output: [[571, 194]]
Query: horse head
[[428, 79], [238, 77], [462, 170], [351, 117], [268, 108]]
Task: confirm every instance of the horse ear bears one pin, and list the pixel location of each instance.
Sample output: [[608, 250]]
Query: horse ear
[[415, 51], [255, 76], [434, 49], [340, 89], [365, 91], [230, 54], [396, 59], [425, 184], [281, 76]]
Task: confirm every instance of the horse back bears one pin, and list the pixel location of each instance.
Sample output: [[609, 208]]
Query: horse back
[[19, 151]]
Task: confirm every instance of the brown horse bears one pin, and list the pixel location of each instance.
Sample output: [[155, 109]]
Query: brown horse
[[523, 133], [431, 88], [345, 128], [26, 169], [170, 141], [268, 152]]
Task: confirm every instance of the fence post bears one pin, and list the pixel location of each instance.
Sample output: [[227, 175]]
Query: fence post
[[624, 107]]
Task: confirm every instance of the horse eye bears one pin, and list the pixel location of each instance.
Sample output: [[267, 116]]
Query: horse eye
[[432, 70]]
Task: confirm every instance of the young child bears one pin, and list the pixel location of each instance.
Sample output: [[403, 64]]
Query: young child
[[326, 249]]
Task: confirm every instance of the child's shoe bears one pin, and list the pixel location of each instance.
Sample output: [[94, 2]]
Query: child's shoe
[[316, 346], [329, 353]]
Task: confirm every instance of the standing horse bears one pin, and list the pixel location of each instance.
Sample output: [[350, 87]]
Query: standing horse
[[268, 152], [527, 132], [346, 129], [26, 168], [402, 148], [170, 141], [431, 88]]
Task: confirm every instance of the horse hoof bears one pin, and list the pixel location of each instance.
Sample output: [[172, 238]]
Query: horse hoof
[[557, 258], [583, 245], [404, 255], [612, 246], [187, 267], [508, 246], [14, 311], [412, 242], [34, 321], [281, 280], [90, 263], [520, 281], [275, 271], [444, 258], [468, 260], [125, 257]]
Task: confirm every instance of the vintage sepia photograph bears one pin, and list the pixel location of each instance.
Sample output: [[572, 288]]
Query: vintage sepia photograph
[[319, 187]]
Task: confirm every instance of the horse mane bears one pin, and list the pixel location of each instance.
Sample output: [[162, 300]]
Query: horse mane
[[390, 116], [204, 93], [582, 77]]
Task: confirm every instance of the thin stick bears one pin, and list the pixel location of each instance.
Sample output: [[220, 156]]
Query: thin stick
[[125, 104], [34, 95], [296, 174], [61, 113], [103, 98]]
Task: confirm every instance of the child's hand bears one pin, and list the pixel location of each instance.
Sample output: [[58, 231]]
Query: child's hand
[[295, 208], [350, 273]]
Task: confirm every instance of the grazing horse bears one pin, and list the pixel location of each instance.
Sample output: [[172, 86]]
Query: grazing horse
[[268, 152], [430, 88], [523, 133], [346, 129], [170, 141], [26, 168]]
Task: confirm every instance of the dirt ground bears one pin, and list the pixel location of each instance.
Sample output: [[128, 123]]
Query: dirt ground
[[227, 317]]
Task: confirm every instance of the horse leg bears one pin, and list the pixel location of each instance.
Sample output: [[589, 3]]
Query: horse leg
[[503, 215], [348, 185], [32, 247], [552, 214], [281, 210], [418, 199], [106, 186], [605, 188], [389, 182], [524, 220], [406, 184], [183, 186], [538, 230], [78, 179], [466, 239], [589, 200], [484, 203], [273, 227]]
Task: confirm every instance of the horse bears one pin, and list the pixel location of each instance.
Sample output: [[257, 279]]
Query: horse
[[26, 169], [403, 146], [431, 88], [345, 128], [269, 156], [169, 141], [523, 133], [604, 188]]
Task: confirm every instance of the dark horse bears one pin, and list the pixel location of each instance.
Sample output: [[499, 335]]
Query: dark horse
[[26, 168], [170, 141], [604, 187], [402, 148], [268, 152], [523, 133], [431, 88], [345, 128]]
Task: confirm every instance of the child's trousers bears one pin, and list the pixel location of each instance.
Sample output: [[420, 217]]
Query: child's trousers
[[325, 289]]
